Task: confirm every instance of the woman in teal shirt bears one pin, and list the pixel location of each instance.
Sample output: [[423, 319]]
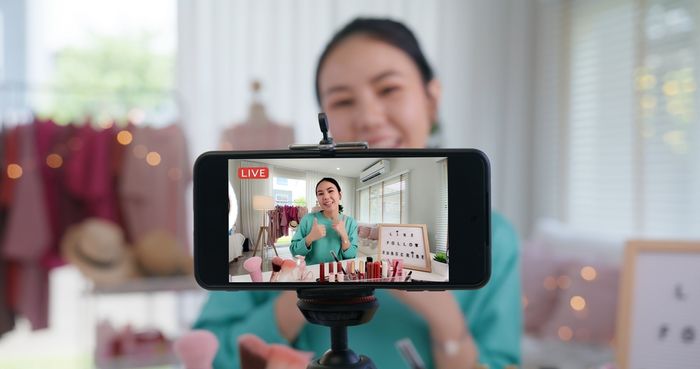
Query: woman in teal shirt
[[326, 230], [376, 85]]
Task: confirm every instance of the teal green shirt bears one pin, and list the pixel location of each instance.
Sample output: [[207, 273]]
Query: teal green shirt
[[320, 251], [493, 314]]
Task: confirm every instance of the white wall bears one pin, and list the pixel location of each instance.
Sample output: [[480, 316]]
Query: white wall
[[482, 51], [423, 194]]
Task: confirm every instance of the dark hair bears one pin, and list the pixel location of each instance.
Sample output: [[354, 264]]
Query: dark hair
[[386, 30], [335, 183]]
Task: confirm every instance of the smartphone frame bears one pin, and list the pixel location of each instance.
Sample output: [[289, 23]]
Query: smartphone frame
[[469, 212]]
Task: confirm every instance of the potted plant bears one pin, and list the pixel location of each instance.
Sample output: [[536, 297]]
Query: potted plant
[[439, 263]]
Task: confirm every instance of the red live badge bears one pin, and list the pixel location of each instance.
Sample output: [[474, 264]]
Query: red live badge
[[253, 173]]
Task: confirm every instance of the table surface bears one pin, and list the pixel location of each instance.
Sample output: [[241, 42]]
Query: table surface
[[416, 274]]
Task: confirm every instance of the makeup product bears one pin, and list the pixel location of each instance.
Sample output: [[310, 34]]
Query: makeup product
[[367, 264], [340, 265], [377, 269], [331, 267], [349, 266], [394, 267], [341, 277], [400, 267], [362, 267], [322, 272], [385, 269], [340, 268], [408, 276], [331, 277], [254, 268], [410, 354], [276, 268]]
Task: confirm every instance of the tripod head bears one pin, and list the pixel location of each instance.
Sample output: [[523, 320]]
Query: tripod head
[[338, 308], [327, 145]]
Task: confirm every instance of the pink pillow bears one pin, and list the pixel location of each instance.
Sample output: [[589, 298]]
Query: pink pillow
[[374, 233], [363, 231], [539, 271], [596, 300]]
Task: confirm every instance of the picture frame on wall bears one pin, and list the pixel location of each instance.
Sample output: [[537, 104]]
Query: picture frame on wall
[[408, 242], [657, 321]]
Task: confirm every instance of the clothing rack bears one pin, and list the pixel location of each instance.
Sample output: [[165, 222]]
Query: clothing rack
[[15, 96]]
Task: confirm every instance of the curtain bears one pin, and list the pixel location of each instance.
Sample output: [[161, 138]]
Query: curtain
[[252, 219]]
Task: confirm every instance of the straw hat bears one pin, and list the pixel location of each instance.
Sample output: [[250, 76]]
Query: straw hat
[[96, 247], [159, 253]]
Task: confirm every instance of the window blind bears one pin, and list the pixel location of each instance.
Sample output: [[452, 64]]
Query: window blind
[[441, 221], [633, 152]]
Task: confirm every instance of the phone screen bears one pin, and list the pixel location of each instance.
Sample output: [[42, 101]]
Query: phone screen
[[338, 220]]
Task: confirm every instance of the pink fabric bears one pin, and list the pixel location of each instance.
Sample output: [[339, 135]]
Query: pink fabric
[[537, 265], [374, 233], [153, 197], [596, 323], [89, 173], [28, 234], [363, 231]]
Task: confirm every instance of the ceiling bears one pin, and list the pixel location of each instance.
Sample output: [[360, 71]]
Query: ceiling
[[349, 167]]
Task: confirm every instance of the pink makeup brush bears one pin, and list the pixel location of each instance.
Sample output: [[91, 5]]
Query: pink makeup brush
[[253, 267], [196, 349]]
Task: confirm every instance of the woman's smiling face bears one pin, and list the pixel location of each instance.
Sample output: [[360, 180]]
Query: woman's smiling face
[[328, 196], [373, 91]]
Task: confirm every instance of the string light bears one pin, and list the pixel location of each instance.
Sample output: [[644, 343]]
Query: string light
[[588, 273], [54, 161], [124, 137], [577, 303], [14, 171], [565, 333], [153, 158]]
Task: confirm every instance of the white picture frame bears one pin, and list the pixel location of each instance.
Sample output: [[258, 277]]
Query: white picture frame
[[408, 242], [657, 321]]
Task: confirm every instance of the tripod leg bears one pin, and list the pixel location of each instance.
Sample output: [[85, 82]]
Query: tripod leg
[[257, 243]]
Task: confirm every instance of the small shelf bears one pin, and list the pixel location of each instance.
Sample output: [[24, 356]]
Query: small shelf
[[150, 285], [165, 360]]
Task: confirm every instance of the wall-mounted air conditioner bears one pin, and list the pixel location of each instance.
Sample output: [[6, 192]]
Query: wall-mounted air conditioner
[[375, 170]]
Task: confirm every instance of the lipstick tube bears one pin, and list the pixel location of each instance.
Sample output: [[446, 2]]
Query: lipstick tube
[[322, 272], [331, 268]]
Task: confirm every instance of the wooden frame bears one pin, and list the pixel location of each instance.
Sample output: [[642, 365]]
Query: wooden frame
[[626, 297], [422, 264]]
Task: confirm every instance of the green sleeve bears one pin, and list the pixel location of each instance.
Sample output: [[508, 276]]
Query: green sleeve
[[298, 246], [495, 311], [351, 228], [230, 314]]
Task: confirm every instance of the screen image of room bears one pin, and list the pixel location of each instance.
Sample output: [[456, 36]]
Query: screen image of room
[[398, 202]]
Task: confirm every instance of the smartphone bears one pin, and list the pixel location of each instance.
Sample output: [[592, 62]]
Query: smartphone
[[415, 219]]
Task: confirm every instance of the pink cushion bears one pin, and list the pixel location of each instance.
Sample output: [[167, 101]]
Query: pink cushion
[[363, 231], [374, 233], [538, 301], [595, 323]]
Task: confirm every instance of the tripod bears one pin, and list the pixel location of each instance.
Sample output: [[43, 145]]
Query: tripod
[[338, 308]]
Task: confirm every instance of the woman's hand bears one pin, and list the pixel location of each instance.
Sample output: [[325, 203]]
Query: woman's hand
[[447, 324], [257, 354], [339, 226], [317, 232]]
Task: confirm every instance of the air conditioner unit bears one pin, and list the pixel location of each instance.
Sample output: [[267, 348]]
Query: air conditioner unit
[[375, 170]]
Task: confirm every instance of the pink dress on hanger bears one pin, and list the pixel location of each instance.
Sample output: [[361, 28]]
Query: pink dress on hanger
[[153, 183], [28, 234]]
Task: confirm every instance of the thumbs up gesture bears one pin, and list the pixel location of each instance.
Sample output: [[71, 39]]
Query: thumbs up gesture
[[339, 226], [318, 231]]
